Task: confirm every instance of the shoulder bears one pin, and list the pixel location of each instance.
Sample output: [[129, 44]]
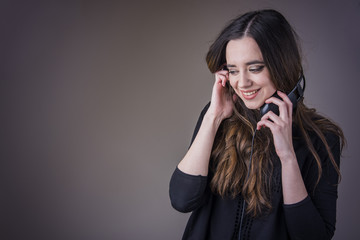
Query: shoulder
[[329, 137], [327, 134], [325, 131], [324, 140]]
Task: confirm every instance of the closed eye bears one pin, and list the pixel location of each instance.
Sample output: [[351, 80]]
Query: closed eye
[[233, 72], [256, 69]]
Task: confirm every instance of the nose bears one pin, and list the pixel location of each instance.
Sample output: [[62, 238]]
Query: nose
[[241, 81]]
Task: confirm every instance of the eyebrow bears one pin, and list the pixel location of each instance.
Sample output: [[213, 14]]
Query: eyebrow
[[247, 64]]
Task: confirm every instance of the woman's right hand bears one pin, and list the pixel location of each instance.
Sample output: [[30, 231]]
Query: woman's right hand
[[221, 106], [196, 160]]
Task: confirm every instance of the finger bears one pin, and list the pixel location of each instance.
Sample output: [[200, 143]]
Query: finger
[[265, 123], [223, 79], [223, 73], [219, 79], [283, 108], [288, 102], [272, 116]]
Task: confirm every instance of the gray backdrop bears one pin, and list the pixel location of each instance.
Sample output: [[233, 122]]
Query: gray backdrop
[[99, 100]]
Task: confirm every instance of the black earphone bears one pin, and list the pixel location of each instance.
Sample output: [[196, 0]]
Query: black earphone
[[295, 96]]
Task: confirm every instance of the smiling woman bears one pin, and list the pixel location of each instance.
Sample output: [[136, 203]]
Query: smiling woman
[[248, 74], [247, 176]]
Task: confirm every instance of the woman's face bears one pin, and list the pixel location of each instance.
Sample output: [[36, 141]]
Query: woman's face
[[248, 74]]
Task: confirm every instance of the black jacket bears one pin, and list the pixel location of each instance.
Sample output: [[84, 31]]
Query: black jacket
[[216, 218]]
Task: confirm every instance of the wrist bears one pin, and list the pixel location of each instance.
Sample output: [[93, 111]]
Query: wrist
[[213, 119], [288, 158]]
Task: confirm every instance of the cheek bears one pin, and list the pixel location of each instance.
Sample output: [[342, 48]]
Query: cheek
[[272, 87], [235, 92], [232, 83], [233, 86], [267, 83]]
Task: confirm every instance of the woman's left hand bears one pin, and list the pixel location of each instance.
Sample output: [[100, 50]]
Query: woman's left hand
[[280, 126]]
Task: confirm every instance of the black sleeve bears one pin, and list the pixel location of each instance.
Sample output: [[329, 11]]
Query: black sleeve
[[315, 216], [188, 192]]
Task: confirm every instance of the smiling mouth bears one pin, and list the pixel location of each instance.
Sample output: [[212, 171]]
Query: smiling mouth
[[250, 93]]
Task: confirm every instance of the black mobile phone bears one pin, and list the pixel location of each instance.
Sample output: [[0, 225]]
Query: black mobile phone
[[295, 96]]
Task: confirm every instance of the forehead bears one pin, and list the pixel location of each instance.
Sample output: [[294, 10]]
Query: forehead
[[243, 50]]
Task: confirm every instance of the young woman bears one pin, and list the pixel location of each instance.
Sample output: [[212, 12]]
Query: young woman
[[247, 176]]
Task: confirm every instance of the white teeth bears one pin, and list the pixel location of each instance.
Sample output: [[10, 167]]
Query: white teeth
[[249, 93]]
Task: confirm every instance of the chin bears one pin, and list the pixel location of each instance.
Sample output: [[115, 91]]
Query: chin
[[253, 106]]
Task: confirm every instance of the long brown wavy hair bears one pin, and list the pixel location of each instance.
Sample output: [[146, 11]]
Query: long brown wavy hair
[[279, 46]]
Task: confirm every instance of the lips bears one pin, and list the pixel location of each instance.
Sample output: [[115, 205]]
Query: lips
[[250, 94]]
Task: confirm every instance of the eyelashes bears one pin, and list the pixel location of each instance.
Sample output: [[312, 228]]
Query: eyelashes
[[253, 69], [257, 68], [233, 72]]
